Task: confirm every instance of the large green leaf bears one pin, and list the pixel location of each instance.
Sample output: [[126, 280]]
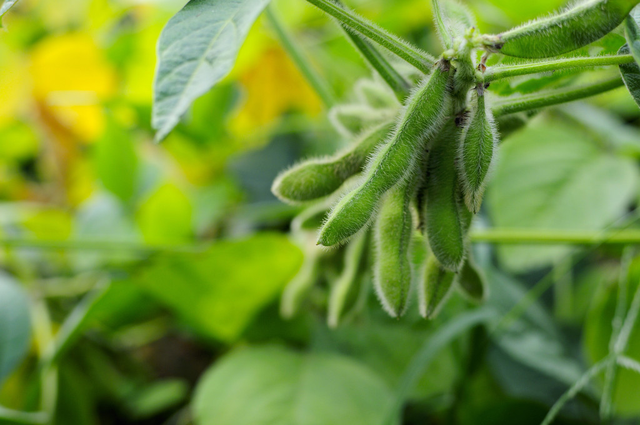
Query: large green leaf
[[196, 49], [15, 325], [552, 177], [219, 291], [272, 385], [6, 5]]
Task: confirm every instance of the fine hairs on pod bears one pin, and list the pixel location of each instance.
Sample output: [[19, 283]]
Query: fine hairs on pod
[[395, 160], [317, 178], [393, 232], [582, 23], [477, 152]]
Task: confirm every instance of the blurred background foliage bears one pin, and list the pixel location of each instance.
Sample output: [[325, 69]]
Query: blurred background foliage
[[113, 310]]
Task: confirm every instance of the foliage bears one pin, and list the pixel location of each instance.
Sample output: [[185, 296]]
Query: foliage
[[165, 283]]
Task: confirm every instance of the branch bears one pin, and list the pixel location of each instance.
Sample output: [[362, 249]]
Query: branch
[[500, 72], [554, 97], [416, 57], [321, 87], [553, 237]]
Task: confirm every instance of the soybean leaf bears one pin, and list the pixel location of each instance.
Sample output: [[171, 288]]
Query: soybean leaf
[[15, 325], [273, 385], [6, 5], [452, 20], [196, 49], [631, 76], [632, 32], [552, 177], [219, 291], [117, 162]]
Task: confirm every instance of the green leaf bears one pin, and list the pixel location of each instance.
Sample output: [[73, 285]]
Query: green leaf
[[273, 385], [117, 162], [166, 216], [632, 33], [452, 20], [552, 177], [196, 49], [631, 76], [6, 5], [15, 325], [219, 291]]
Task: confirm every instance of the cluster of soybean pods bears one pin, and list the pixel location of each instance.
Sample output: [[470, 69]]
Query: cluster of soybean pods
[[415, 173]]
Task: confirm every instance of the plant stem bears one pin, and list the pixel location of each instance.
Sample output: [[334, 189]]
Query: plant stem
[[397, 82], [100, 245], [554, 237], [10, 416], [554, 97], [322, 88], [421, 60], [500, 72]]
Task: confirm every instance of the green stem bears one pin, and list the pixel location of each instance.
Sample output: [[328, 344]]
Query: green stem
[[500, 72], [99, 245], [421, 60], [554, 237], [10, 416], [397, 82], [310, 73], [554, 97]]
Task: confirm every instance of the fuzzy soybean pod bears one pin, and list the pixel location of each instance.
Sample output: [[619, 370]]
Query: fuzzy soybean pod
[[446, 219], [434, 288], [344, 284], [298, 288], [393, 235], [581, 24], [394, 161], [472, 282], [478, 147], [317, 178]]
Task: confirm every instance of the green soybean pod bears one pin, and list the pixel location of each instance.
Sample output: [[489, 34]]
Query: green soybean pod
[[582, 24], [344, 284], [476, 156], [375, 94], [472, 282], [317, 178], [393, 235], [296, 290], [394, 161], [435, 288], [351, 120], [445, 218]]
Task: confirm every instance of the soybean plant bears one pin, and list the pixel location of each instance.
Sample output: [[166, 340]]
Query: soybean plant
[[424, 136]]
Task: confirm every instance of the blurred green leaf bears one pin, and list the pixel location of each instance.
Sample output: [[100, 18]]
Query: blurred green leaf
[[597, 334], [551, 177], [272, 385], [166, 216], [157, 397], [6, 5], [219, 291], [117, 162], [197, 49], [15, 324]]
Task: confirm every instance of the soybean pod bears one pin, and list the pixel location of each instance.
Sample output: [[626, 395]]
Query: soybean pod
[[396, 160], [472, 282], [478, 146], [298, 288], [344, 284], [446, 219], [317, 178], [434, 288], [582, 24], [393, 235]]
